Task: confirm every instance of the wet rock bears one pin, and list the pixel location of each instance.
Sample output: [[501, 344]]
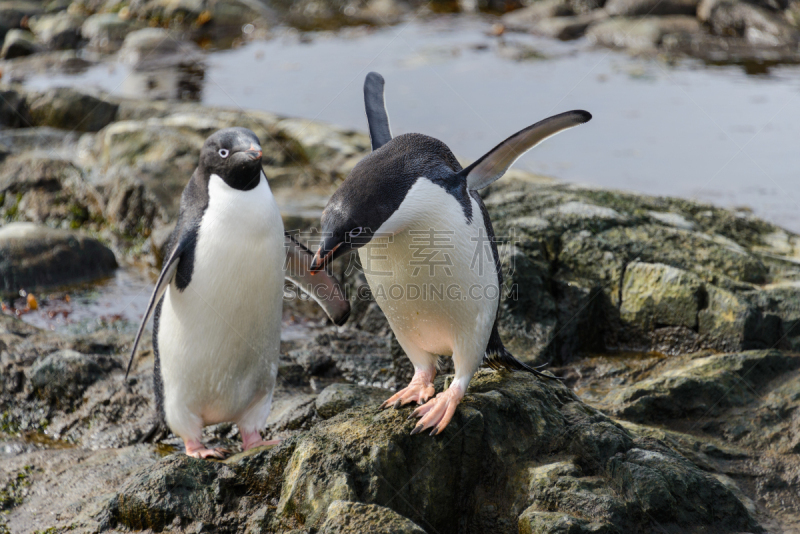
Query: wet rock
[[337, 398], [106, 31], [657, 294], [641, 34], [50, 62], [63, 376], [703, 385], [18, 43], [354, 517], [70, 109], [13, 110], [129, 205], [60, 31], [526, 18], [632, 8], [35, 257], [152, 48], [507, 428], [47, 190], [70, 487], [759, 26], [567, 28], [358, 357]]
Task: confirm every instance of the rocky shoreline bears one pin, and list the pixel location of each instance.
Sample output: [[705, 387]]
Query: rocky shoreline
[[674, 324], [152, 35]]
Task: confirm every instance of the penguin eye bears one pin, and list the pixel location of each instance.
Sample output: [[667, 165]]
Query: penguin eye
[[355, 232], [223, 152]]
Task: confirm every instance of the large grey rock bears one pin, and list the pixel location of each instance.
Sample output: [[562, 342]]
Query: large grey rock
[[758, 25], [34, 257], [18, 43], [59, 31], [633, 8], [71, 109], [47, 190], [13, 109], [106, 31], [356, 518], [510, 427], [63, 376], [641, 34], [338, 398], [152, 48]]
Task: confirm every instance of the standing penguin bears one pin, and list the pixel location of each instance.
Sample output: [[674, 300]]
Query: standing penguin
[[420, 226], [218, 299]]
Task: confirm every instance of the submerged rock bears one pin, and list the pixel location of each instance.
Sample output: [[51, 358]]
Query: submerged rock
[[35, 257]]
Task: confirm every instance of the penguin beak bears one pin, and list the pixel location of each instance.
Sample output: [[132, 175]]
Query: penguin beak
[[321, 259], [254, 152]]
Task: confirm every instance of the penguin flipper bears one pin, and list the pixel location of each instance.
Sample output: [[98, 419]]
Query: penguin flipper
[[319, 285], [377, 117], [164, 279], [494, 164]]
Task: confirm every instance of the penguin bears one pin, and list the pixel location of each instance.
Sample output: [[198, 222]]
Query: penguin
[[420, 226], [217, 303]]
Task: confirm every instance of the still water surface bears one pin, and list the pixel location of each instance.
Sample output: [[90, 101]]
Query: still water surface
[[705, 132]]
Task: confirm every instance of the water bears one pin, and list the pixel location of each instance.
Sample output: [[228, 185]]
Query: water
[[712, 133]]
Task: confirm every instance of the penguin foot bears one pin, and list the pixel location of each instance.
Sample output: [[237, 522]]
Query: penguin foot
[[251, 440], [438, 412], [419, 390], [196, 449]]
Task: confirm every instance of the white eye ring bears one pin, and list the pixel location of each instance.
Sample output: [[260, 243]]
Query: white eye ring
[[223, 152], [355, 232]]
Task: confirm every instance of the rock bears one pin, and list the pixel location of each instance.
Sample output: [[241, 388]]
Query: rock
[[758, 25], [524, 19], [657, 294], [18, 43], [76, 485], [702, 385], [356, 356], [153, 48], [641, 34], [13, 109], [36, 257], [60, 31], [354, 518], [337, 398], [508, 428], [566, 28], [633, 8], [47, 190], [63, 376], [70, 109], [129, 205], [106, 31]]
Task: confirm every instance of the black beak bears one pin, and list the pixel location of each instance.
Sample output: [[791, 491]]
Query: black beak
[[254, 152], [323, 257]]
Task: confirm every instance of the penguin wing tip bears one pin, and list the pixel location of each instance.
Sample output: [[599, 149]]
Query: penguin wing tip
[[583, 116], [374, 77], [341, 320]]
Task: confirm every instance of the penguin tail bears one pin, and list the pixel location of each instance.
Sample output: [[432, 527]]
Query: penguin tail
[[498, 358]]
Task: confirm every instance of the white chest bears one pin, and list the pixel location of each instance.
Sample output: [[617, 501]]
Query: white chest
[[435, 279], [219, 337]]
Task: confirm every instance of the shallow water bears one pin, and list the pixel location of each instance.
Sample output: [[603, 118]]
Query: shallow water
[[705, 132]]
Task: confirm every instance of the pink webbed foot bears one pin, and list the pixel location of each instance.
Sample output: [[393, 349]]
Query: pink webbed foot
[[196, 449], [438, 412], [251, 440], [419, 390]]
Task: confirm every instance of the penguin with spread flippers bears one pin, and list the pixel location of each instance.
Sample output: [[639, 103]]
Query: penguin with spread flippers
[[422, 230], [217, 303]]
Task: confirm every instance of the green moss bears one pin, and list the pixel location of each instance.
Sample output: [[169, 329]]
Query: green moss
[[13, 492], [8, 425]]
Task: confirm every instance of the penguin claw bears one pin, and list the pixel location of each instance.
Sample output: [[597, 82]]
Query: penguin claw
[[438, 412], [417, 429]]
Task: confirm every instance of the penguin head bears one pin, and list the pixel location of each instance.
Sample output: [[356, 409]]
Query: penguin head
[[233, 154], [372, 201]]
